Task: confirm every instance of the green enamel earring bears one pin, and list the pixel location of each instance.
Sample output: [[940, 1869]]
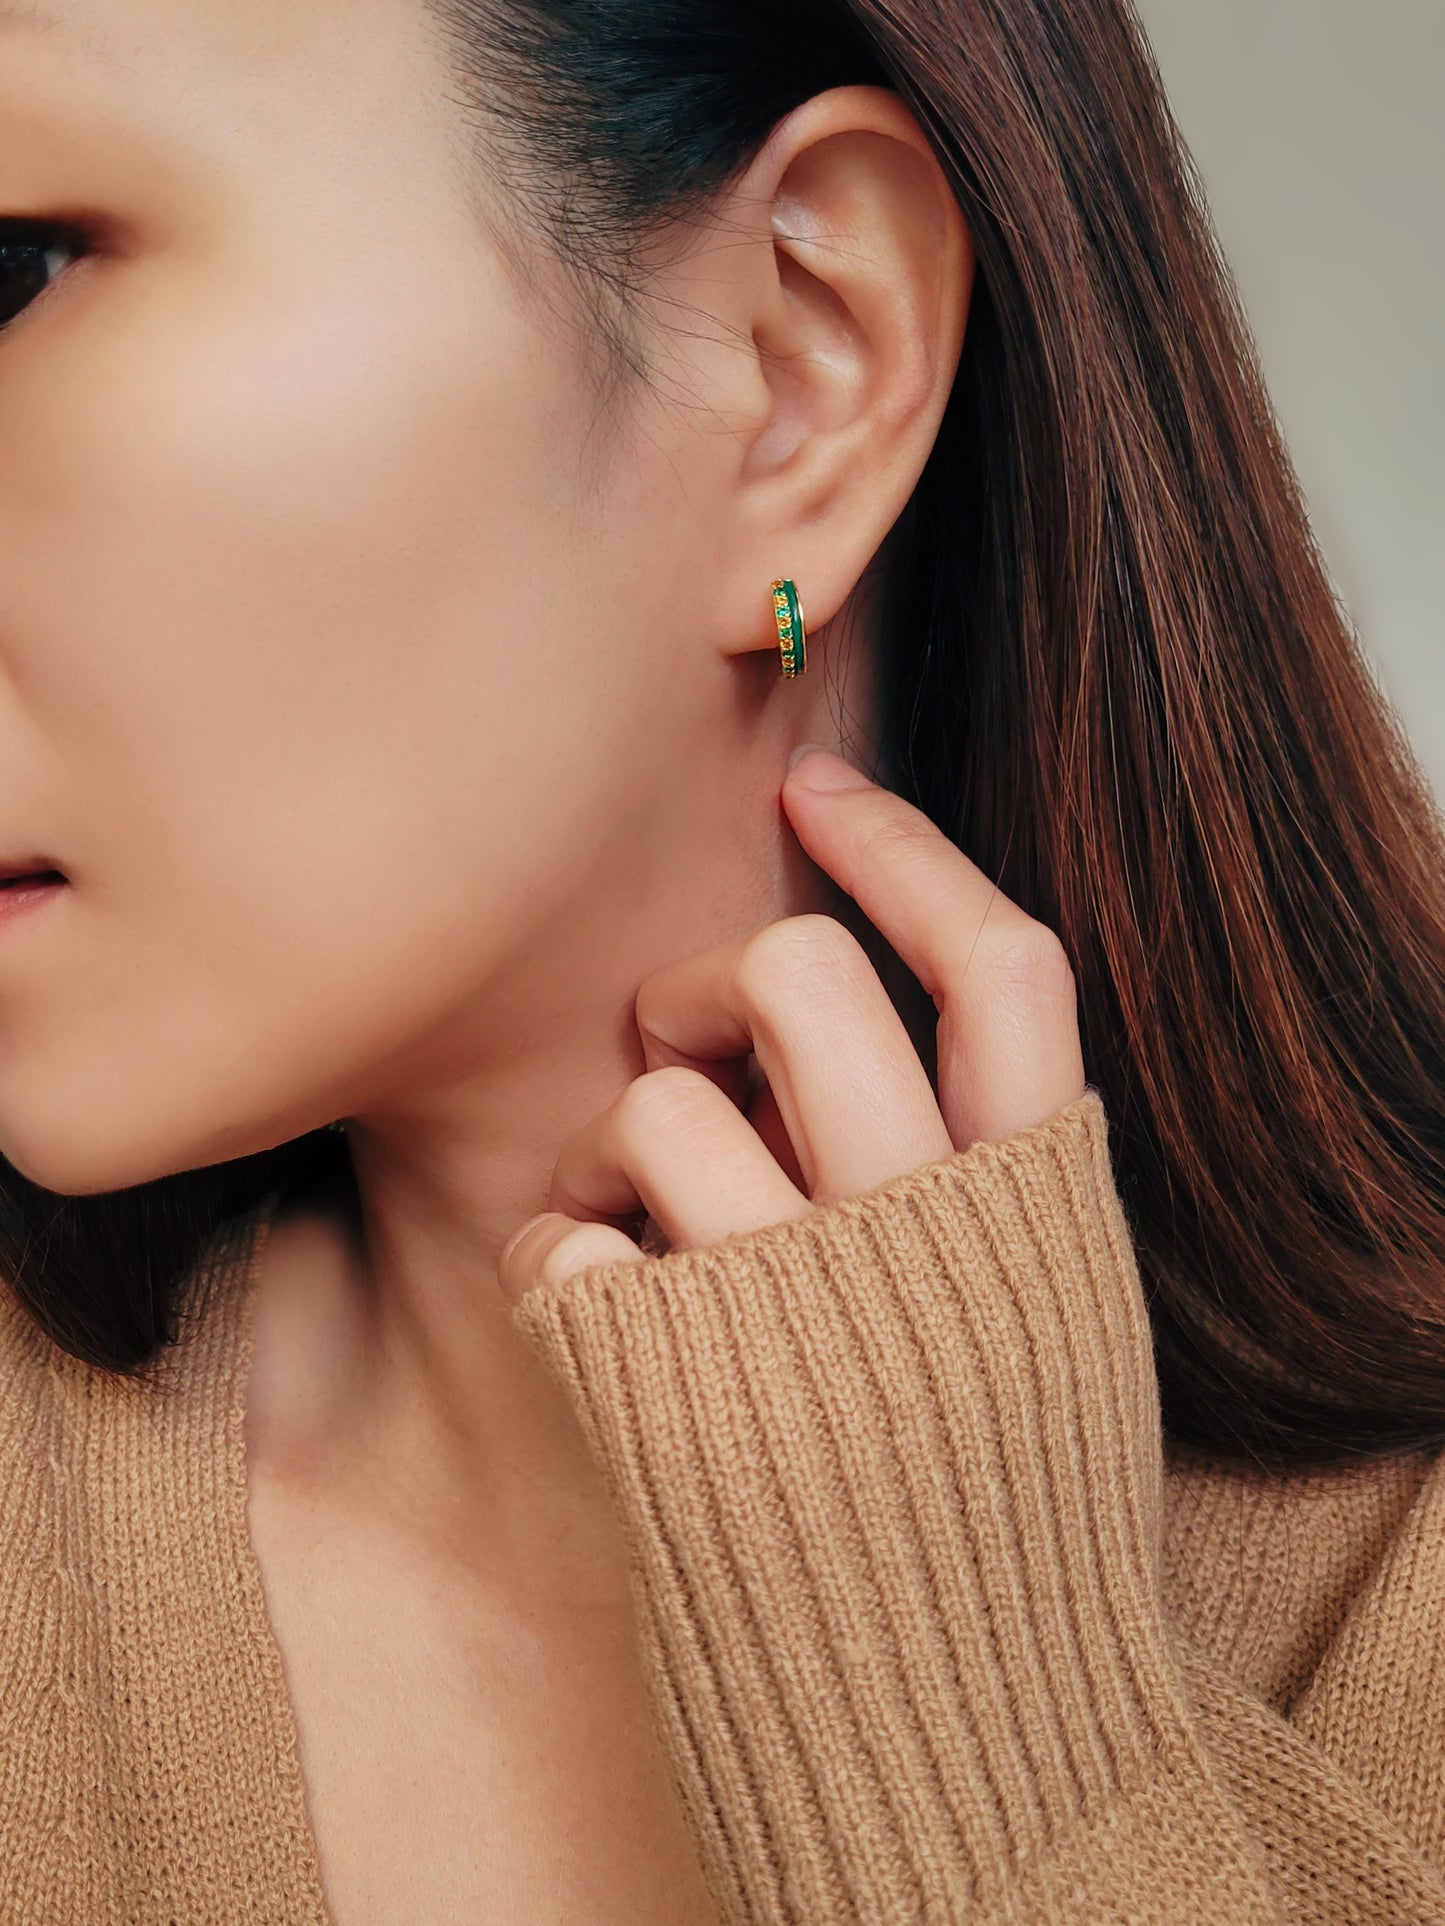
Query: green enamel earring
[[792, 635]]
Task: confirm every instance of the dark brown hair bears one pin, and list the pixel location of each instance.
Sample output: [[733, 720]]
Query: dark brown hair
[[1117, 677]]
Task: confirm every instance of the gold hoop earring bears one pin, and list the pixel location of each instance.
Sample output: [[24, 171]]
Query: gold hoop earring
[[792, 633]]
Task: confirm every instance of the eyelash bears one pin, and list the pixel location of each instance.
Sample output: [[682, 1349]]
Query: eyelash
[[24, 238]]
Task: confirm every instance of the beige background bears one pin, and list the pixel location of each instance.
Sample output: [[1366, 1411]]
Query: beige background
[[1319, 129]]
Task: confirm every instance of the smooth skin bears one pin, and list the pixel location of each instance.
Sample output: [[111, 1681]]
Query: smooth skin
[[409, 730]]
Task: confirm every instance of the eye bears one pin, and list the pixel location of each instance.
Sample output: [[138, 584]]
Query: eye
[[33, 255]]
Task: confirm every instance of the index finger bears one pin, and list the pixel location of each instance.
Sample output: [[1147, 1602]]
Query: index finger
[[1008, 1036]]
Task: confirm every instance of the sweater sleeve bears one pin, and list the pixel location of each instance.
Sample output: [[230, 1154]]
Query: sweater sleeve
[[892, 1479]]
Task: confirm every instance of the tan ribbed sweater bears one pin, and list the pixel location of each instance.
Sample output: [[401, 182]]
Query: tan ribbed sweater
[[935, 1628]]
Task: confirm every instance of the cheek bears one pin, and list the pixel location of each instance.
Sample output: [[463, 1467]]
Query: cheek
[[244, 532], [305, 692]]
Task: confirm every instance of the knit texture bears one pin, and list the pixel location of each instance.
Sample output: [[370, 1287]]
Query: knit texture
[[934, 1627]]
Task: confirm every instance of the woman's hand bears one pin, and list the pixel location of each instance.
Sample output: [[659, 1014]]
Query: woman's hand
[[845, 1103]]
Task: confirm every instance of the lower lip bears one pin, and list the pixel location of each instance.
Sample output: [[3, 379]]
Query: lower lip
[[16, 899]]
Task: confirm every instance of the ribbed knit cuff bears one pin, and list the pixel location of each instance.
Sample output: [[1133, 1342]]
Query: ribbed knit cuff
[[891, 1478]]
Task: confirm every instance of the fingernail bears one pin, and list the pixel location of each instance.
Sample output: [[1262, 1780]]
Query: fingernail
[[819, 768]]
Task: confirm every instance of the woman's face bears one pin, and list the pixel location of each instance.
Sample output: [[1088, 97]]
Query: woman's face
[[335, 674]]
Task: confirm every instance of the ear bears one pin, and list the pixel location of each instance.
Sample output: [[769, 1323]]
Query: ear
[[856, 317]]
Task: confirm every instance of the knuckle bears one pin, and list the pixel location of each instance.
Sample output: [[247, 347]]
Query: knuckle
[[799, 951], [1034, 968], [901, 837], [662, 1099]]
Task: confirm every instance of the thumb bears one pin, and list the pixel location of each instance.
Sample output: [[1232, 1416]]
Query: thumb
[[553, 1247]]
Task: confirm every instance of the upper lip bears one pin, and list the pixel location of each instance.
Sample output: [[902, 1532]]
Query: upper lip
[[28, 867]]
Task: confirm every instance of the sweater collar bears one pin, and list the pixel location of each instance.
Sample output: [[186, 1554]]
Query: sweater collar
[[203, 1676]]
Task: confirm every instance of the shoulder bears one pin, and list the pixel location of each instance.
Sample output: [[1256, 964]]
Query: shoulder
[[67, 1428], [39, 1385], [1261, 1567]]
